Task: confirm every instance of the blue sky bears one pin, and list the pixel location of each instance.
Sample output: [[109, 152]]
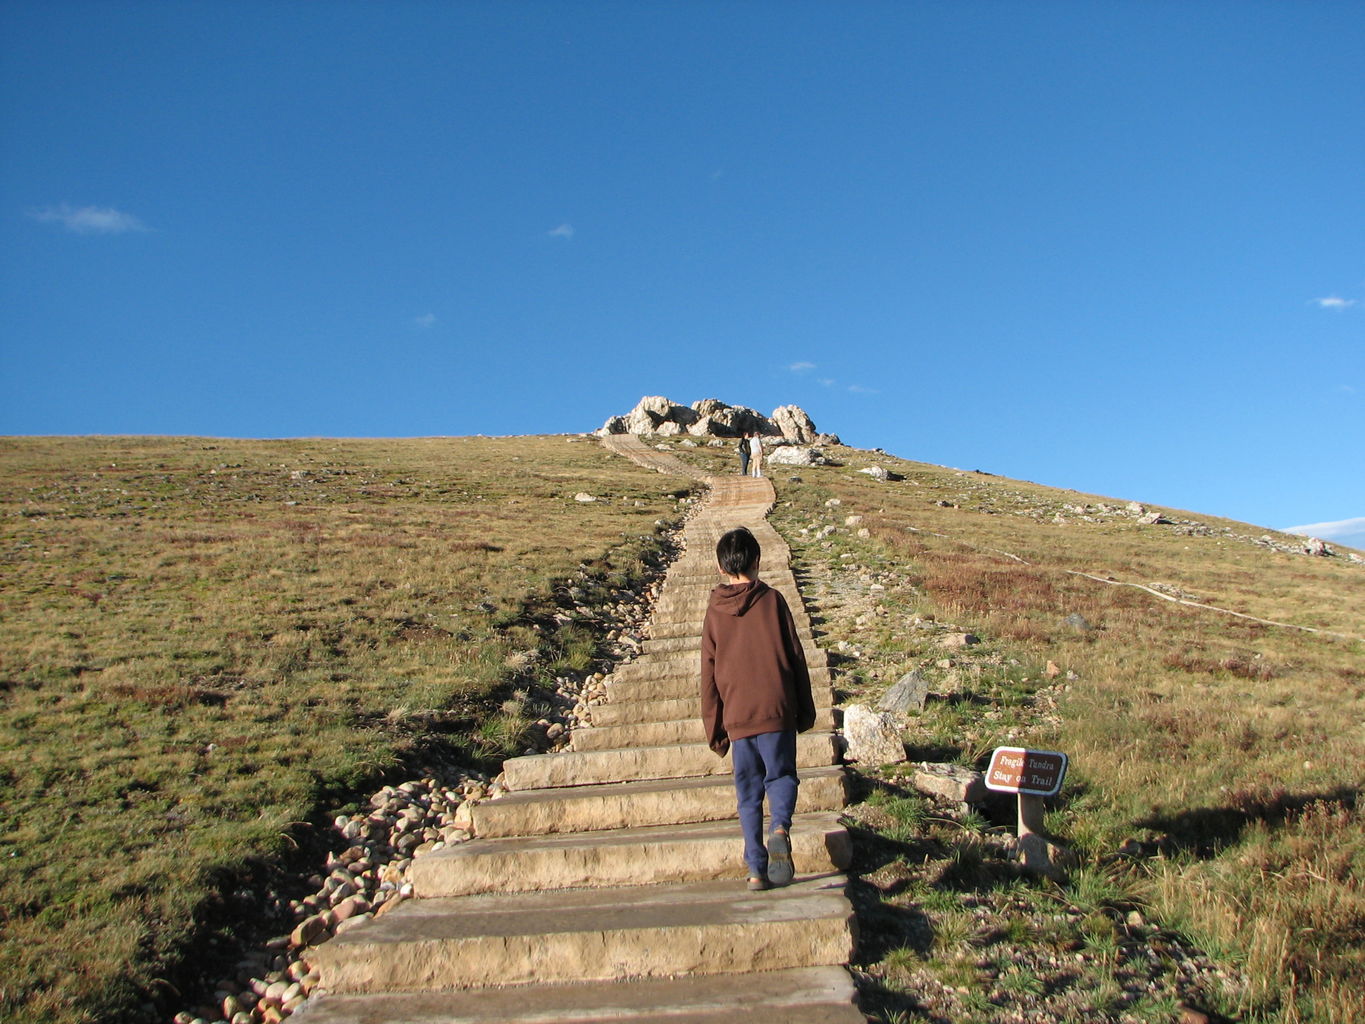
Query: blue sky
[[1118, 247]]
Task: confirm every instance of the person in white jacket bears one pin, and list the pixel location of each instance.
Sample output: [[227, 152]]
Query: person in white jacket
[[756, 455]]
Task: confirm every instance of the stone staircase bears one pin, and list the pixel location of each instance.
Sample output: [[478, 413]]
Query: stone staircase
[[608, 884]]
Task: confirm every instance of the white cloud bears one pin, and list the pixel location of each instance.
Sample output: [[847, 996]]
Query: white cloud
[[563, 231], [801, 367], [89, 220], [828, 382], [858, 389], [1350, 532], [1335, 302], [425, 320]]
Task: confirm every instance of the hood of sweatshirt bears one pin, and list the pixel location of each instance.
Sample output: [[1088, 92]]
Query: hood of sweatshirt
[[737, 598]]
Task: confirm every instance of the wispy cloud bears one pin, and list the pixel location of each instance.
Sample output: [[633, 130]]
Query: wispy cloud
[[89, 220], [828, 382], [1334, 302], [1350, 532], [564, 231], [801, 367], [1356, 525], [858, 389], [425, 320]]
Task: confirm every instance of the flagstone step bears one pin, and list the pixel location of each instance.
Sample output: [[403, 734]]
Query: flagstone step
[[679, 681], [688, 664], [590, 935], [691, 642], [679, 761], [800, 995], [620, 857], [662, 709], [637, 804], [638, 732]]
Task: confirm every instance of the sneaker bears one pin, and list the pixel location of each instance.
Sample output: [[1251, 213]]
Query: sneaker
[[780, 868], [757, 884]]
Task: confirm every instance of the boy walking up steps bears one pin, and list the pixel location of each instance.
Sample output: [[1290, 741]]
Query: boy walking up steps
[[755, 698]]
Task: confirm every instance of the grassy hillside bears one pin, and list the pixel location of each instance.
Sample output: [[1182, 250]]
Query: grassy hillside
[[1216, 760], [206, 645]]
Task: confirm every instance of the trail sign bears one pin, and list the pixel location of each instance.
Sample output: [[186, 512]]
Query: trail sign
[[1016, 770]]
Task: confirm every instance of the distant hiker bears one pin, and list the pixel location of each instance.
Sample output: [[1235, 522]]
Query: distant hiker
[[756, 449], [755, 698], [743, 449]]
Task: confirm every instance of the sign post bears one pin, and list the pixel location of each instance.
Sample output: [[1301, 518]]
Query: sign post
[[1033, 774]]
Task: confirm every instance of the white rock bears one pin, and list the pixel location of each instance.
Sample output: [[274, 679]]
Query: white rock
[[873, 737]]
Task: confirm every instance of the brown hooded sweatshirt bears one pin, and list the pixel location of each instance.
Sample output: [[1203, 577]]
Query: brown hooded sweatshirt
[[753, 671]]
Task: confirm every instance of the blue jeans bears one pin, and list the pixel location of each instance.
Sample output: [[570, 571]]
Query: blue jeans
[[764, 765]]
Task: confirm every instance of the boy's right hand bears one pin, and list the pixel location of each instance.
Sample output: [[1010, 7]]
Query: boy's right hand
[[721, 746]]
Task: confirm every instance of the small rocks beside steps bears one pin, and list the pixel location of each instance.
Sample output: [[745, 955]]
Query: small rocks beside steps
[[366, 874]]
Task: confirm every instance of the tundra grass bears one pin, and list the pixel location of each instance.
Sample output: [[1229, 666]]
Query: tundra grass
[[1225, 752], [206, 645]]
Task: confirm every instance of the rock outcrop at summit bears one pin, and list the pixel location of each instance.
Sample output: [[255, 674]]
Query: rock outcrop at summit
[[710, 417]]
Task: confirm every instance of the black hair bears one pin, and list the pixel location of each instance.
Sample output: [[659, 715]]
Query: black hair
[[737, 552]]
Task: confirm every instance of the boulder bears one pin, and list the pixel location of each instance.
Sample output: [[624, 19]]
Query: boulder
[[873, 737], [706, 406], [794, 424], [791, 455], [710, 417], [951, 783], [877, 473], [909, 693]]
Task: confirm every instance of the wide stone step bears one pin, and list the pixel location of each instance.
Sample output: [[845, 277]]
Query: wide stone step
[[801, 995], [637, 804], [688, 705], [688, 663], [680, 761], [620, 857], [668, 683], [590, 935], [692, 606], [691, 642], [639, 732]]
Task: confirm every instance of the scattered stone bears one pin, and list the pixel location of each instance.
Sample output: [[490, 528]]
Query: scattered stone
[[873, 737], [1053, 670], [1078, 622], [957, 640], [584, 497], [877, 473], [908, 694], [309, 932], [951, 783], [1152, 519]]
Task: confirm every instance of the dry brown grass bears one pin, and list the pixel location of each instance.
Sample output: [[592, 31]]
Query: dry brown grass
[[205, 643], [1231, 747]]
